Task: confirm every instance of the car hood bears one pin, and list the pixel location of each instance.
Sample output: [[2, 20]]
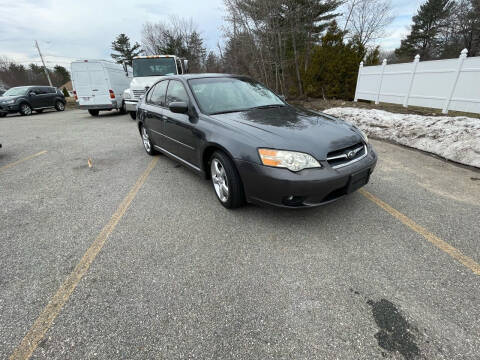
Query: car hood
[[5, 98], [297, 129]]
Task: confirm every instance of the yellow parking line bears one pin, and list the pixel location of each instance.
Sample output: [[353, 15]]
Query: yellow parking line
[[439, 243], [53, 308], [22, 160]]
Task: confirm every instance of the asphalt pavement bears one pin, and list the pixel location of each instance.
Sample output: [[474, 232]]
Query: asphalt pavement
[[142, 262]]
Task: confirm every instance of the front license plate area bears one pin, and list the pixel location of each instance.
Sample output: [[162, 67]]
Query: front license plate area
[[358, 180]]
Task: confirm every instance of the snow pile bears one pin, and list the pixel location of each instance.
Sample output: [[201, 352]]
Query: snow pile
[[454, 138]]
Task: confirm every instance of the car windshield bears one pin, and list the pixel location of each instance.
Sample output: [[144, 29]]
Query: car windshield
[[16, 91], [154, 67], [232, 94]]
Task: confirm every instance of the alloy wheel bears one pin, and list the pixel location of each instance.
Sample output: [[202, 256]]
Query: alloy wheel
[[26, 110], [146, 140], [219, 179]]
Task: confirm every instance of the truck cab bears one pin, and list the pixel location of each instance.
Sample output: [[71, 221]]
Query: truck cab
[[147, 70]]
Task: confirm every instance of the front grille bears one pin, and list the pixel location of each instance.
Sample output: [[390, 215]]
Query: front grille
[[347, 156], [138, 93]]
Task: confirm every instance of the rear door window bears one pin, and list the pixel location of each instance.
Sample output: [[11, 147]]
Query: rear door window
[[39, 91], [157, 95]]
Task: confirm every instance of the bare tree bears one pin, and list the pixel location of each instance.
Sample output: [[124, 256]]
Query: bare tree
[[466, 32], [366, 20], [177, 37]]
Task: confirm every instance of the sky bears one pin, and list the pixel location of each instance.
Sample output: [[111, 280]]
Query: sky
[[69, 30]]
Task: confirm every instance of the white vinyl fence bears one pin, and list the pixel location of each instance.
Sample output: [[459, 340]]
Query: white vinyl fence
[[452, 84]]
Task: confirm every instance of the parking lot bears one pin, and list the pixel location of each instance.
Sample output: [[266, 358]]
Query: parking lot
[[134, 258]]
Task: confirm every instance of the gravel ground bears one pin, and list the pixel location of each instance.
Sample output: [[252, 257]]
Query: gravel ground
[[182, 277]]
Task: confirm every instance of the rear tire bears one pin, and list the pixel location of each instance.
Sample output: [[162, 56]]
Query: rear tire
[[59, 106], [133, 115], [25, 109], [93, 112], [123, 109], [226, 181]]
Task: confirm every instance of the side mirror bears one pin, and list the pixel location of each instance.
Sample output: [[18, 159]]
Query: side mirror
[[179, 107], [185, 66], [32, 93], [125, 68], [283, 97]]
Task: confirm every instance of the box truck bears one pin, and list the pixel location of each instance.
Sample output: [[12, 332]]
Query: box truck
[[98, 85], [147, 70]]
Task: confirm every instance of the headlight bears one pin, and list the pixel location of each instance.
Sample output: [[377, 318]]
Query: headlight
[[292, 160], [365, 137], [126, 94], [362, 133]]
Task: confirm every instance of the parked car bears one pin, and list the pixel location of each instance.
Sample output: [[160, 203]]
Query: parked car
[[99, 85], [26, 99], [251, 144]]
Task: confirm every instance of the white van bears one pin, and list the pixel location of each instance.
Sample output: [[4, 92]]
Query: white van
[[99, 84]]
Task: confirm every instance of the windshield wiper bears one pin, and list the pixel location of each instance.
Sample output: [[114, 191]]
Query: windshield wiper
[[252, 108], [271, 106], [228, 111]]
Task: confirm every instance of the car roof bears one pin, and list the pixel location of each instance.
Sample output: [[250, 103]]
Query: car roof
[[32, 86], [202, 76]]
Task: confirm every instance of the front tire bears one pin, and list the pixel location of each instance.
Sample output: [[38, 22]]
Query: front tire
[[147, 143], [226, 181], [123, 109], [25, 109], [59, 106], [93, 112], [133, 115]]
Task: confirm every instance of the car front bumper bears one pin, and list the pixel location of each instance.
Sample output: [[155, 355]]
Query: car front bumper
[[131, 105], [9, 108], [306, 188]]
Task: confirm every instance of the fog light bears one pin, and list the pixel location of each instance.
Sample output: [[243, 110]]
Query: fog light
[[293, 200]]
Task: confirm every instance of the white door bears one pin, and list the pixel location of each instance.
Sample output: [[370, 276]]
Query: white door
[[91, 83]]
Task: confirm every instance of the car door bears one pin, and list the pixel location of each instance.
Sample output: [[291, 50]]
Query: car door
[[35, 95], [154, 108], [50, 96], [178, 129]]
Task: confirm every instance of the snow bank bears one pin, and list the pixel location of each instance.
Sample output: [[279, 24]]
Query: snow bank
[[454, 138]]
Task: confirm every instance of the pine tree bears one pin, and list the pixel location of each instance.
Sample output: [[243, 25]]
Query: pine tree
[[62, 73], [429, 31], [126, 52], [196, 52]]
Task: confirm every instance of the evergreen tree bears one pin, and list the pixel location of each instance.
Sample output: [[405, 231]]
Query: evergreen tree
[[334, 66], [126, 52], [196, 52], [429, 32], [62, 74]]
